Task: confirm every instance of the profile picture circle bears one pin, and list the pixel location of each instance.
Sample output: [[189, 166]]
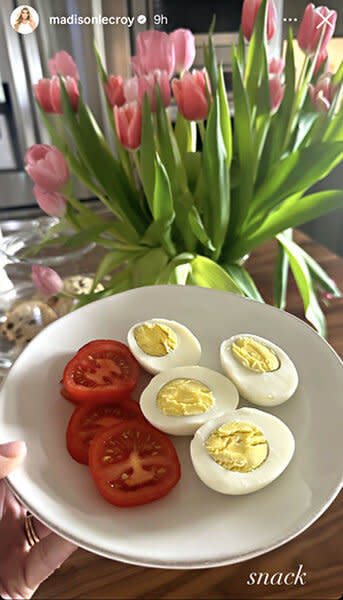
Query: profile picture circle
[[24, 19]]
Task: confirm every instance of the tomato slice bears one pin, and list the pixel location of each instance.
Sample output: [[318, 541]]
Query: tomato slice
[[133, 463], [106, 367], [66, 395], [90, 417]]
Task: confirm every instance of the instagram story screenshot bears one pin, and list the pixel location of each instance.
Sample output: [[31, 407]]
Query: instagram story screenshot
[[171, 299]]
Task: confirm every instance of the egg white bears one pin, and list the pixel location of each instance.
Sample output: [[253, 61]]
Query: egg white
[[281, 449], [186, 352], [225, 397], [262, 389]]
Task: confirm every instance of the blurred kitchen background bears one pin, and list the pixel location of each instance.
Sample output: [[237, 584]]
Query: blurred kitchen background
[[23, 61]]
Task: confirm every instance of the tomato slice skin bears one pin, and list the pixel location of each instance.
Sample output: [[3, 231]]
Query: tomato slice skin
[[133, 463], [102, 367], [66, 395], [93, 416]]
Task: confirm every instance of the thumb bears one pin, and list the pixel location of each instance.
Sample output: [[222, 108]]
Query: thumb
[[11, 455]]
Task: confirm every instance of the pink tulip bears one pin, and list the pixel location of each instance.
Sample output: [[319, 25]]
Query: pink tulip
[[155, 50], [52, 203], [311, 27], [135, 88], [128, 121], [323, 93], [48, 94], [114, 90], [46, 280], [47, 167], [322, 56], [276, 66], [71, 89], [190, 95], [63, 64], [42, 92], [249, 14], [184, 48], [276, 90]]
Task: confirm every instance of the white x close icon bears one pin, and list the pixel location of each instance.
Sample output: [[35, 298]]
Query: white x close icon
[[325, 19]]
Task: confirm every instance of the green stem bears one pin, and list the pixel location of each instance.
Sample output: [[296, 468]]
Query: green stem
[[202, 131], [135, 157]]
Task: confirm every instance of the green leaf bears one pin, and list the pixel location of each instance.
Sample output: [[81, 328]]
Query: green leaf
[[86, 235], [185, 134], [254, 64], [147, 153], [101, 70], [210, 59], [303, 280], [56, 139], [108, 170], [244, 143], [281, 273], [216, 215], [198, 228], [225, 119], [111, 261], [172, 272], [163, 207], [207, 273], [169, 150], [241, 50], [320, 276], [294, 211], [244, 281], [193, 166], [147, 268], [292, 175]]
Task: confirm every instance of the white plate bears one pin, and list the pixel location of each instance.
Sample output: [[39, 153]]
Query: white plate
[[193, 526]]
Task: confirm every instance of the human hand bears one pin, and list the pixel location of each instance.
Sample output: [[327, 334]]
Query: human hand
[[22, 567]]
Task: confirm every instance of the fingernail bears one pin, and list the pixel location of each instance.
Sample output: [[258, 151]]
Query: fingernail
[[13, 449]]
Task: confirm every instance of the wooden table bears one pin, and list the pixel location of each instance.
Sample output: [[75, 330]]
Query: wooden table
[[319, 549]]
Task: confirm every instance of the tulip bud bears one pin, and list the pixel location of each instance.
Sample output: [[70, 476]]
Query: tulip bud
[[322, 56], [155, 50], [323, 93], [47, 167], [276, 66], [114, 90], [136, 87], [48, 94], [46, 280], [52, 203], [184, 48], [63, 64], [55, 93], [311, 28], [190, 95], [276, 90], [42, 92], [249, 15], [128, 122]]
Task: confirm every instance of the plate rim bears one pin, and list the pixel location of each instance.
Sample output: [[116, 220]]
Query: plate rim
[[315, 515]]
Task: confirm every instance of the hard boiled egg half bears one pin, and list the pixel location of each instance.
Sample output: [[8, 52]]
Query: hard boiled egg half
[[179, 400], [159, 344], [263, 373], [241, 451]]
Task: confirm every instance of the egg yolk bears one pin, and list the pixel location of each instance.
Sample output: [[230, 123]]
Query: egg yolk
[[238, 446], [155, 339], [254, 355], [184, 397]]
